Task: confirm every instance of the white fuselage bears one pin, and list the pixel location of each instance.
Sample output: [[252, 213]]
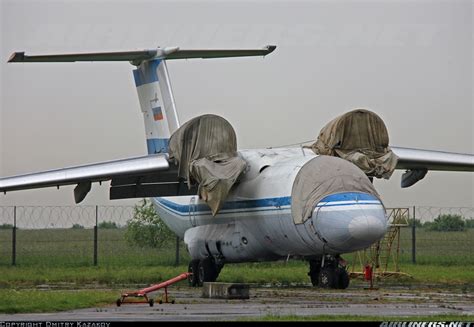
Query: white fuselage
[[256, 223]]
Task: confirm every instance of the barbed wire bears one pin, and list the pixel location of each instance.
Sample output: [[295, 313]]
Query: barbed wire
[[429, 214], [50, 217]]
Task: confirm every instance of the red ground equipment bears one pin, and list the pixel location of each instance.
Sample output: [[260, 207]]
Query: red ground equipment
[[143, 292], [369, 275]]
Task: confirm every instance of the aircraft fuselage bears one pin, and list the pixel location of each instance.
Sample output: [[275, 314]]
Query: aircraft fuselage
[[256, 223]]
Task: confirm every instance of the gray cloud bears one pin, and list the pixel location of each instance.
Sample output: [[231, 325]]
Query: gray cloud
[[409, 61]]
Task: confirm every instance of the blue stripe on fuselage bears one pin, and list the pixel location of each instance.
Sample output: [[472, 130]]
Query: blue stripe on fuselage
[[157, 145], [146, 73], [229, 205], [349, 196], [262, 204]]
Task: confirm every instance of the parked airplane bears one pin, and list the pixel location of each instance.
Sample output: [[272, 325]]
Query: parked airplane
[[288, 201]]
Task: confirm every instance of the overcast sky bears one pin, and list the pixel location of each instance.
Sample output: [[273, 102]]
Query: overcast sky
[[409, 61]]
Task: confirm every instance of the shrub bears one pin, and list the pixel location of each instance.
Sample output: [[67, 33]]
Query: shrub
[[428, 225], [448, 223], [146, 229], [469, 223], [77, 226], [6, 226], [108, 225], [417, 222]]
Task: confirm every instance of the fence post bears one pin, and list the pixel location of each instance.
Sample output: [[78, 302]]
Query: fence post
[[413, 237], [14, 238], [176, 262], [95, 233]]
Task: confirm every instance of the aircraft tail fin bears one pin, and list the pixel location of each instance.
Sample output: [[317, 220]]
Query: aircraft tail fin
[[152, 81], [156, 103]]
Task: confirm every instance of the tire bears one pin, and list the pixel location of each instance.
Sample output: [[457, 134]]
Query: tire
[[314, 279], [327, 278], [342, 278], [193, 280], [314, 269], [207, 271]]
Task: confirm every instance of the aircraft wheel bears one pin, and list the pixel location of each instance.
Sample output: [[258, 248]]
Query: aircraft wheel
[[193, 279], [207, 271], [314, 269], [327, 278], [342, 278]]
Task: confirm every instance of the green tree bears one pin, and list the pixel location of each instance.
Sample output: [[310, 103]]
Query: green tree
[[146, 229], [108, 225], [447, 223], [470, 223]]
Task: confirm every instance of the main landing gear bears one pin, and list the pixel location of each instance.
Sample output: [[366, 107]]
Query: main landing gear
[[203, 270], [328, 272]]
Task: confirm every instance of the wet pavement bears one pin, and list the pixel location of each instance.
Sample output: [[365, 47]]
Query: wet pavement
[[300, 301]]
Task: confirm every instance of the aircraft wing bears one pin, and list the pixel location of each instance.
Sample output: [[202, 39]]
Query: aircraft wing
[[417, 162], [83, 176]]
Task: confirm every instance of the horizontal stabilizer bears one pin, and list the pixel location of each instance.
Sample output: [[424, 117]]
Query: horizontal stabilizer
[[204, 54], [136, 57], [98, 56]]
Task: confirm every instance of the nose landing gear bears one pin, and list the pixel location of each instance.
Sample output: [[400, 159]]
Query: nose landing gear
[[329, 272]]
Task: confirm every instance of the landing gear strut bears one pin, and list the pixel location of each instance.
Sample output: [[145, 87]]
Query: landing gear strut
[[203, 270], [328, 272]]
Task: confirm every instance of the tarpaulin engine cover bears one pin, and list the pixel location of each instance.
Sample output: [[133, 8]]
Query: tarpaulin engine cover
[[359, 136], [205, 148], [322, 176]]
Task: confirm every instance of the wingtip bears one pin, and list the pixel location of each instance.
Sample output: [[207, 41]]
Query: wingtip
[[270, 48], [16, 57]]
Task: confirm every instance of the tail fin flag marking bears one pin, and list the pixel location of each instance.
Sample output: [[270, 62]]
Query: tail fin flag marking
[[157, 113]]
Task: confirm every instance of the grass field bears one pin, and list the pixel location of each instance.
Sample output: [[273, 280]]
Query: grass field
[[52, 301], [277, 273], [75, 248], [64, 258], [442, 248]]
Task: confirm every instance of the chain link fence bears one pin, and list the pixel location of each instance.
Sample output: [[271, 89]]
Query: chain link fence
[[95, 235], [438, 236], [76, 236]]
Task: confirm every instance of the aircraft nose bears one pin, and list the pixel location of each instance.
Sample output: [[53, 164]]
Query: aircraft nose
[[366, 227], [349, 222]]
